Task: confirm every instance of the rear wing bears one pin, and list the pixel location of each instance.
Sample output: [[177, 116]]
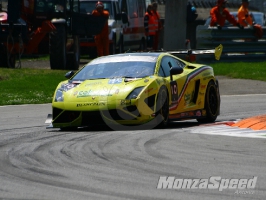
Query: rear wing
[[217, 52]]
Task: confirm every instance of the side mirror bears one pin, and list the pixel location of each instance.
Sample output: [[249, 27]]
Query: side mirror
[[175, 70], [69, 74]]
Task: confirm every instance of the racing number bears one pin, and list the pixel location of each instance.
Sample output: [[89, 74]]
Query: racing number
[[174, 91]]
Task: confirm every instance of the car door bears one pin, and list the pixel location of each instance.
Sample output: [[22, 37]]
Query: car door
[[177, 86]]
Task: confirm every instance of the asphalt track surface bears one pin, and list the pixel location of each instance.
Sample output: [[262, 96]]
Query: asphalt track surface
[[98, 163]]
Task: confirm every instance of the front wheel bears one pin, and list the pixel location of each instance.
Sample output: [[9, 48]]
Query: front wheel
[[212, 103], [162, 108]]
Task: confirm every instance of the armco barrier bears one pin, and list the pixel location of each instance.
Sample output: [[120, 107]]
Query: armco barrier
[[238, 44]]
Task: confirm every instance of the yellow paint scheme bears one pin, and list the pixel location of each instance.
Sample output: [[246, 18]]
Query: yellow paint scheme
[[100, 95]]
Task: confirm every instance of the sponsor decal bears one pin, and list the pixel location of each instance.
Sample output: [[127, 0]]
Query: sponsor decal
[[93, 83], [196, 113], [189, 78], [202, 86], [84, 93], [89, 93], [91, 104], [115, 81], [125, 102], [105, 89], [211, 183], [200, 102], [146, 80], [174, 91], [68, 86], [187, 98], [117, 91], [150, 89], [75, 93]]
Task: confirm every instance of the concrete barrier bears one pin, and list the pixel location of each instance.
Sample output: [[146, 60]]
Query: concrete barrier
[[238, 44]]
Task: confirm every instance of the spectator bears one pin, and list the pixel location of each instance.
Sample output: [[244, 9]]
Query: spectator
[[191, 13], [102, 39], [220, 13], [246, 19], [159, 25], [150, 26]]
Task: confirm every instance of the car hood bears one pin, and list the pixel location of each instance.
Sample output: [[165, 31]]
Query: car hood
[[100, 89]]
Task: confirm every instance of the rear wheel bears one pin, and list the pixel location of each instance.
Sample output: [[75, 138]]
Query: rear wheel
[[57, 47], [162, 108], [212, 103]]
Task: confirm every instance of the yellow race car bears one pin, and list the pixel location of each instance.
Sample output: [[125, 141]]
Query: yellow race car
[[144, 88]]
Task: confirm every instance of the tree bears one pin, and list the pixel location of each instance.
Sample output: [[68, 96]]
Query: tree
[[175, 24]]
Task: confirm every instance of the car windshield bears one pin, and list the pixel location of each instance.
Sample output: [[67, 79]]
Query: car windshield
[[131, 67], [88, 6]]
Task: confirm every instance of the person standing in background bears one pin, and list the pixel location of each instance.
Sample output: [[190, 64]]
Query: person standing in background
[[246, 20], [102, 39], [150, 27], [220, 13], [159, 27]]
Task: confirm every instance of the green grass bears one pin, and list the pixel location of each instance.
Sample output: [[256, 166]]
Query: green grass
[[36, 86], [28, 86], [242, 70]]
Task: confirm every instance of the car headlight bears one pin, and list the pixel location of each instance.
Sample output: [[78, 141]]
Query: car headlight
[[59, 96], [135, 93]]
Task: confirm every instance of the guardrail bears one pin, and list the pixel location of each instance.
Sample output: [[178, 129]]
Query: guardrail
[[238, 44]]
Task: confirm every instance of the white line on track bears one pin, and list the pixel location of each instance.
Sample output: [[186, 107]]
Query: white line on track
[[242, 95]]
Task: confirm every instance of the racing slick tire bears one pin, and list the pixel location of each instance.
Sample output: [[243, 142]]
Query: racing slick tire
[[162, 108], [212, 103], [57, 47], [73, 57]]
